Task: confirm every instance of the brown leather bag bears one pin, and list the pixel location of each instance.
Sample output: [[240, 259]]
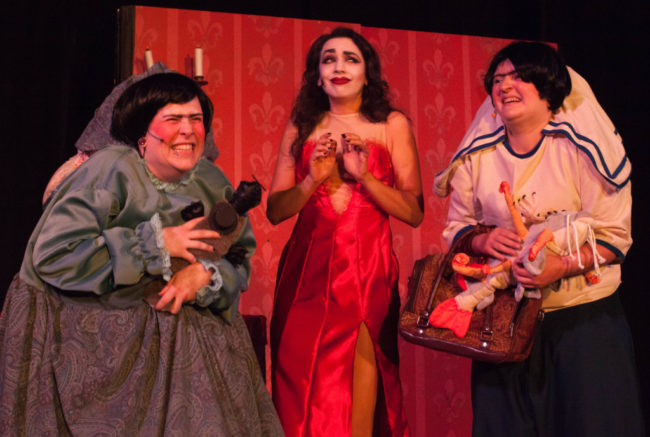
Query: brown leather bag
[[502, 332]]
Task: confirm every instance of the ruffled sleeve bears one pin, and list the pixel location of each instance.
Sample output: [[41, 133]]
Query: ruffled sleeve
[[235, 279]]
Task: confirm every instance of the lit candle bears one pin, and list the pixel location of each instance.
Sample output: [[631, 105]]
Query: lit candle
[[148, 58], [198, 62]]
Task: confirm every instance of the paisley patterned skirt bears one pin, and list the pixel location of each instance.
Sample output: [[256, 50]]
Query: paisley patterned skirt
[[80, 365]]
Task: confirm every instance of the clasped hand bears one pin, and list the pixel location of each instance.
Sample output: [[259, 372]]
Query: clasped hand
[[503, 243], [499, 243], [322, 163], [179, 239], [182, 287], [554, 269], [355, 156]]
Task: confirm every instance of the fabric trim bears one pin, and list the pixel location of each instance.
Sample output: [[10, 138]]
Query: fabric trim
[[480, 142], [621, 174], [156, 224], [620, 255], [207, 294], [462, 232], [523, 155], [580, 112], [169, 187]]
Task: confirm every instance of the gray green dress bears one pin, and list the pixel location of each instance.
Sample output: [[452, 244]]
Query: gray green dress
[[82, 350]]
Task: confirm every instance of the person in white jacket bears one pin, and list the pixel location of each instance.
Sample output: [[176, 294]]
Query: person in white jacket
[[542, 131]]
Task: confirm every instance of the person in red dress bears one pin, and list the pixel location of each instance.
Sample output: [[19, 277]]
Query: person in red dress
[[347, 162]]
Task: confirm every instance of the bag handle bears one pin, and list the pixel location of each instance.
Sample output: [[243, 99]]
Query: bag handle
[[460, 244]]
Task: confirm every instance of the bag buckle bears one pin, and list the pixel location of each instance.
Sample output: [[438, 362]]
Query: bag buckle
[[423, 321], [485, 336]]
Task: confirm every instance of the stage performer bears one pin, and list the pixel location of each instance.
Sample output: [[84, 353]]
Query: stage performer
[[542, 131], [84, 349], [347, 162]]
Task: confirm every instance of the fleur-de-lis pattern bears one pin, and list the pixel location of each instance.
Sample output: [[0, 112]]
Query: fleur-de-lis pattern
[[266, 68], [262, 162], [439, 115], [387, 49], [267, 26], [217, 129], [203, 31], [253, 66], [267, 117], [437, 71]]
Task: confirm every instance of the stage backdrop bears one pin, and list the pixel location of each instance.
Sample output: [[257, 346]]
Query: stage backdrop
[[253, 67]]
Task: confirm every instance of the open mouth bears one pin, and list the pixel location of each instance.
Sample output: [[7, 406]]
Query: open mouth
[[185, 147]]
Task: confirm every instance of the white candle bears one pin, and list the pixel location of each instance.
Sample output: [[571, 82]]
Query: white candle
[[198, 62], [148, 58]]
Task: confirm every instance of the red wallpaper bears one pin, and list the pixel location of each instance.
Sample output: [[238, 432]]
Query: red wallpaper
[[253, 66]]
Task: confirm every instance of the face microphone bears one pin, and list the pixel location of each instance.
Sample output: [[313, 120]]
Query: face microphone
[[155, 137]]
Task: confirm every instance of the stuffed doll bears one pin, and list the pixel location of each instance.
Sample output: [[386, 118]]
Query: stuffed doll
[[562, 233], [225, 217]]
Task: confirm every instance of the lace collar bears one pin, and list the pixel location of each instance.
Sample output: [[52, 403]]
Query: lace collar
[[161, 185]]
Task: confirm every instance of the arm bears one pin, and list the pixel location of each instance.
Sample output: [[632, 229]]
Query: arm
[[223, 281], [611, 210], [182, 287], [286, 198], [499, 242], [77, 248], [100, 230], [405, 200], [235, 278], [558, 267]]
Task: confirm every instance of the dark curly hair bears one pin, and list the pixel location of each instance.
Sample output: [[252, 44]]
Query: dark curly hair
[[312, 102], [537, 63], [140, 102]]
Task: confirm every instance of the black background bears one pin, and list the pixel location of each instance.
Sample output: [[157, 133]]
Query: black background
[[59, 62]]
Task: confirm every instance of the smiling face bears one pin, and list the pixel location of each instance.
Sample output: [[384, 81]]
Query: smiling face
[[342, 71], [514, 100], [174, 140]]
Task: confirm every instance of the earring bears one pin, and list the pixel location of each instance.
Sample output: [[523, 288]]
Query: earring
[[142, 145], [320, 82], [494, 111]]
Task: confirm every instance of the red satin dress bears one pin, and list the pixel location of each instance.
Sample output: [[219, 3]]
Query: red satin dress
[[337, 271]]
